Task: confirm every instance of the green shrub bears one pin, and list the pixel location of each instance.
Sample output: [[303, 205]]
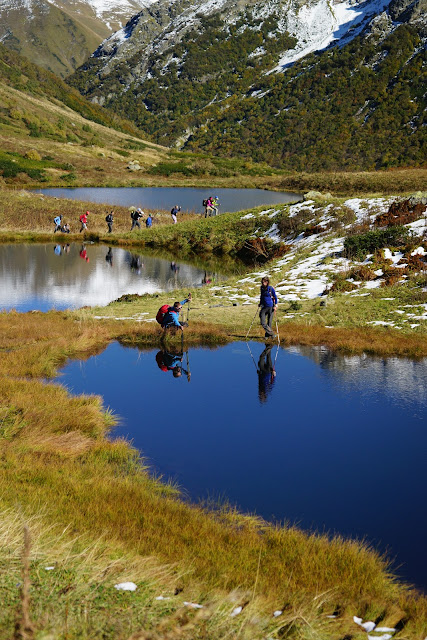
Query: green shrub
[[359, 245]]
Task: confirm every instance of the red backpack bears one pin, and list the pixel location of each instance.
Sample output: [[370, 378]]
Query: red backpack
[[161, 313]]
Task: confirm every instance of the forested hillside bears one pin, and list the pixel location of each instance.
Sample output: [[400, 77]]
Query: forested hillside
[[356, 106]]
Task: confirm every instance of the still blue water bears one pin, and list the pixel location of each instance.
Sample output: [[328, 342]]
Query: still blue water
[[166, 197], [66, 276], [333, 444]]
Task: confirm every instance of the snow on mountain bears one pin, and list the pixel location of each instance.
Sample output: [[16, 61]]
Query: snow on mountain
[[317, 26]]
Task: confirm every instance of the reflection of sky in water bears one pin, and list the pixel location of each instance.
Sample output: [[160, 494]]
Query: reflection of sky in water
[[38, 277], [339, 445]]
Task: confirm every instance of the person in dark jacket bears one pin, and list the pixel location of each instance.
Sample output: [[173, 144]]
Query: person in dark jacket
[[136, 216], [268, 305], [171, 317], [109, 219], [174, 212]]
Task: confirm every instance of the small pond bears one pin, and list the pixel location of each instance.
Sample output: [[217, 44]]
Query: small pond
[[332, 443], [166, 197], [67, 276]]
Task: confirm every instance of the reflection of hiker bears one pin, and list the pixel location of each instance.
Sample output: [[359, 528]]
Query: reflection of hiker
[[149, 221], [66, 248], [136, 216], [109, 219], [57, 250], [174, 267], [135, 263], [268, 305], [83, 253], [206, 279], [168, 317], [174, 211], [266, 373], [172, 362], [83, 221], [109, 256], [57, 221]]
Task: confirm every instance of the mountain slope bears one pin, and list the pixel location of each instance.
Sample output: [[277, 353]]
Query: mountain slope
[[59, 35], [204, 76]]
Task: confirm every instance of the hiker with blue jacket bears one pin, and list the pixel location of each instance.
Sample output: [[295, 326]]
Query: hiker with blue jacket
[[268, 305], [171, 317]]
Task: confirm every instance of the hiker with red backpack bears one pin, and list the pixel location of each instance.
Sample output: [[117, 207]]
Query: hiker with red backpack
[[168, 317]]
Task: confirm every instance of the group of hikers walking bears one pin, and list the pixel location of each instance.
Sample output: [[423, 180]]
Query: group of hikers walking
[[210, 206]]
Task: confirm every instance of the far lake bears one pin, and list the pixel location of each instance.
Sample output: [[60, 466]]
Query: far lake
[[166, 197], [333, 443], [66, 276]]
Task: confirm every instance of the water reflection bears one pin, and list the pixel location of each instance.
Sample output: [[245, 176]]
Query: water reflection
[[66, 275], [266, 373], [172, 360], [332, 443]]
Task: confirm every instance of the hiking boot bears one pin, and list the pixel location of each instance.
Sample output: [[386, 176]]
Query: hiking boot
[[269, 334]]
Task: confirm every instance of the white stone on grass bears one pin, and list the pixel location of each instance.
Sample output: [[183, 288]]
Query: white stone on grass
[[126, 586]]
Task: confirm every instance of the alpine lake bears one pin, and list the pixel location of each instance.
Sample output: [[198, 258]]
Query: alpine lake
[[331, 443]]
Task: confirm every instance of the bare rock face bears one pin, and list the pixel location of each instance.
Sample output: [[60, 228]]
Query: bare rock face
[[409, 11]]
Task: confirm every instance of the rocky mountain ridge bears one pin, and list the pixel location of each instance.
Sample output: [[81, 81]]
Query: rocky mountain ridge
[[60, 35]]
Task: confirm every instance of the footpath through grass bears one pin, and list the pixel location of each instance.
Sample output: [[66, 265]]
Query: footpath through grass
[[99, 519]]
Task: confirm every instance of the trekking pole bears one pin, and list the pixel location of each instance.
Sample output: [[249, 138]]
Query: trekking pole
[[188, 311], [277, 328], [251, 324]]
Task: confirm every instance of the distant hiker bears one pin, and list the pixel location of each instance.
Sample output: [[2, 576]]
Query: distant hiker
[[168, 317], [109, 219], [66, 228], [174, 267], [83, 253], [109, 256], [58, 222], [167, 361], [209, 207], [215, 205], [149, 221], [83, 221], [268, 305], [266, 373], [136, 216], [174, 211]]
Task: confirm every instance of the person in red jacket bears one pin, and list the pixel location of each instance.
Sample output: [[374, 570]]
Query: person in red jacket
[[83, 221]]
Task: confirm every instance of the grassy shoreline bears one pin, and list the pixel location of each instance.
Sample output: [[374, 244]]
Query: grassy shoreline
[[58, 465]]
